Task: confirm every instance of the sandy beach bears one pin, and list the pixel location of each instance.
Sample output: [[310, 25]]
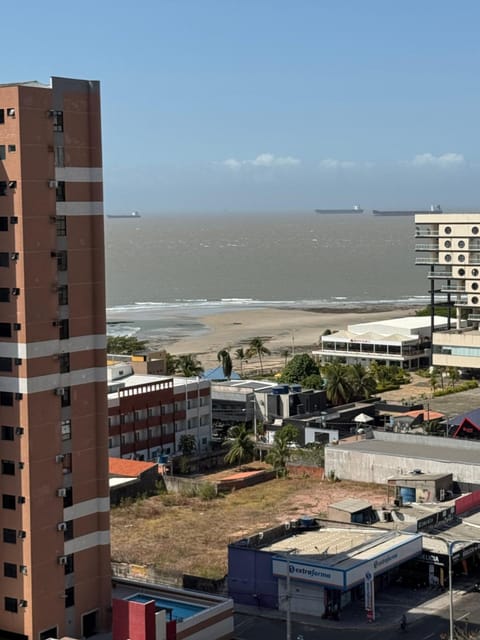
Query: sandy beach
[[293, 329]]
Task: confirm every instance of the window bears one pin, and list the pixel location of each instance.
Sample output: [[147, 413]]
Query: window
[[461, 258], [57, 120], [62, 260], [64, 362], [3, 188], [59, 156], [475, 286], [9, 570], [448, 258], [448, 230], [475, 230], [3, 223], [69, 566], [5, 364], [8, 467], [48, 633], [68, 499], [474, 300], [4, 294], [461, 244], [474, 273], [66, 429], [6, 399], [63, 294], [11, 604], [64, 332], [12, 148], [10, 536], [3, 154], [5, 330], [65, 399], [68, 533], [7, 433], [461, 272], [69, 597], [60, 191], [61, 223], [67, 463], [8, 501], [2, 116]]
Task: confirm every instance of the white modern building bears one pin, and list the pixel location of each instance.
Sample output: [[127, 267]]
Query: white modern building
[[449, 245], [404, 342]]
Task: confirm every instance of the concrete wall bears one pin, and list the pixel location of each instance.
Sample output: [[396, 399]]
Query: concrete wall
[[362, 466]]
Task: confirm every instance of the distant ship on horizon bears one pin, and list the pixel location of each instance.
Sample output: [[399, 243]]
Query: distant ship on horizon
[[407, 212], [355, 209], [134, 214]]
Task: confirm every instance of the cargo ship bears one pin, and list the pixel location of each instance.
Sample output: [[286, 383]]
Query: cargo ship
[[134, 214], [407, 212], [355, 209]]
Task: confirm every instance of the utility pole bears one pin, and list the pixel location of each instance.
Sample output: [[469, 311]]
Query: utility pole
[[289, 608]]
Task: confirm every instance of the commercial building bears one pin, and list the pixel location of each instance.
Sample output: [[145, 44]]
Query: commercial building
[[402, 342], [449, 245], [148, 414], [54, 549]]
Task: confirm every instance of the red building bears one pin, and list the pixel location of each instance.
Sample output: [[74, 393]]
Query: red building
[[148, 415], [54, 549]]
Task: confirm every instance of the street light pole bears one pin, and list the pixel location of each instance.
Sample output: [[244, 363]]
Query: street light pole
[[450, 583]]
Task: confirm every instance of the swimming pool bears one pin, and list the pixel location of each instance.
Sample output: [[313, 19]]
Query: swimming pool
[[176, 609]]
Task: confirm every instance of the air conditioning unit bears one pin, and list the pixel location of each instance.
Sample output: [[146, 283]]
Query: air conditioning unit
[[62, 560], [23, 569], [22, 534], [22, 603], [19, 431], [17, 361], [60, 391], [62, 493], [52, 184], [12, 184], [60, 457], [11, 112], [15, 291], [62, 526], [14, 255]]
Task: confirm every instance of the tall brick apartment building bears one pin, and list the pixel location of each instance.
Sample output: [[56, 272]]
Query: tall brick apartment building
[[54, 532]]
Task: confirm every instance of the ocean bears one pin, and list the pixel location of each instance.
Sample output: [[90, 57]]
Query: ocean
[[165, 272]]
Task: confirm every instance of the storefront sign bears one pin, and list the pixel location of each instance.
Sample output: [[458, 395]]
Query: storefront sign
[[311, 573], [369, 595]]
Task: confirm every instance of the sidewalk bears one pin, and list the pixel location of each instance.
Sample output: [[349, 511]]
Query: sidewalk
[[389, 608]]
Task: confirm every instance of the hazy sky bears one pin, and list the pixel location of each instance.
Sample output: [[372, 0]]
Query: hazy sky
[[232, 105]]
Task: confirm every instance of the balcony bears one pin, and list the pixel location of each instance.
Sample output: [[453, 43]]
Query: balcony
[[426, 247], [452, 289], [426, 261], [440, 275], [426, 233]]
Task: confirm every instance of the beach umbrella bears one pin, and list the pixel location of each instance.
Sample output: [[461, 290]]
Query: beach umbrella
[[362, 418]]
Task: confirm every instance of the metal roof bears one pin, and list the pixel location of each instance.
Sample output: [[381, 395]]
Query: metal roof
[[351, 505]]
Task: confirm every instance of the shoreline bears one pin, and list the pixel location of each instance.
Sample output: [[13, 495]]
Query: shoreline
[[282, 328]]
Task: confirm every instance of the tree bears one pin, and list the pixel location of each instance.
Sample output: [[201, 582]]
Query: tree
[[241, 448], [171, 364], [187, 444], [256, 347], [125, 344], [434, 378], [188, 366], [338, 387], [280, 452], [453, 375], [223, 356], [299, 367], [284, 354], [362, 383], [242, 356], [315, 381]]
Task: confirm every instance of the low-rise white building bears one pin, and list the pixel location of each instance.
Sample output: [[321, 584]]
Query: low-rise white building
[[404, 342]]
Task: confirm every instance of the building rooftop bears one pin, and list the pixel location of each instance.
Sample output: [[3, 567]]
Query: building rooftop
[[128, 468], [351, 505], [446, 453]]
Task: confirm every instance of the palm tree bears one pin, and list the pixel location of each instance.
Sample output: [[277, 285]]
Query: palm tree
[[338, 387], [189, 366], [361, 381], [279, 453], [242, 356], [434, 378], [241, 447], [284, 354], [453, 375], [256, 347], [223, 356]]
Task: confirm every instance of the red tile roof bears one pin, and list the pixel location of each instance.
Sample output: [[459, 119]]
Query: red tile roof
[[128, 468], [427, 415]]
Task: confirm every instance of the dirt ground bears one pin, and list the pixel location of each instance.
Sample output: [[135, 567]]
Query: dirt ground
[[191, 535]]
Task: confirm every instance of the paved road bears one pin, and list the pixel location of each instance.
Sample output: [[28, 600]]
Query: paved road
[[426, 622]]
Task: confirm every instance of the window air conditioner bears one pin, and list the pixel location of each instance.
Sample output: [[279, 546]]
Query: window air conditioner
[[62, 560], [62, 493], [62, 526]]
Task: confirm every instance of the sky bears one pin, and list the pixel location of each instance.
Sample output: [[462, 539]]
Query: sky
[[269, 105]]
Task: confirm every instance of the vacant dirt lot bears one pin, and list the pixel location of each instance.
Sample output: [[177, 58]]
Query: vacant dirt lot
[[191, 535]]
